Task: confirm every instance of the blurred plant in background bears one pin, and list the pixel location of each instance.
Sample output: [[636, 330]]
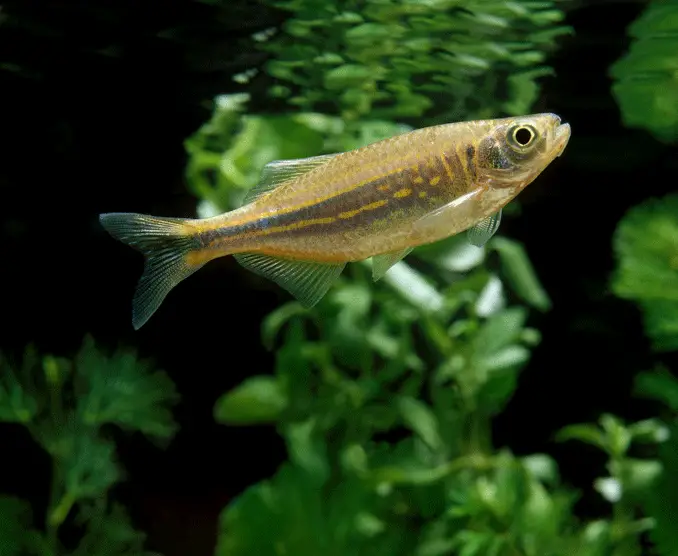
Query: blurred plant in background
[[646, 246], [369, 366], [65, 406], [645, 78], [646, 243], [394, 59]]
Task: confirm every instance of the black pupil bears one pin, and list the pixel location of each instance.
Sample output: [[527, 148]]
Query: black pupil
[[523, 136]]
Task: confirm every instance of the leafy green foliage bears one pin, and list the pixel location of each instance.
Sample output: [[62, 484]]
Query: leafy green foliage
[[64, 404], [646, 246], [662, 503], [368, 361], [292, 514], [630, 481], [108, 532], [16, 535], [646, 85], [393, 60]]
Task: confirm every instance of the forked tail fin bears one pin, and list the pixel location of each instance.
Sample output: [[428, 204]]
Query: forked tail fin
[[165, 242]]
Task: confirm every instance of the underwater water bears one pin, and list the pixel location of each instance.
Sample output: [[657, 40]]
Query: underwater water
[[513, 398]]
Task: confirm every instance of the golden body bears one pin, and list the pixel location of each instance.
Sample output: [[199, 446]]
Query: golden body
[[377, 201]]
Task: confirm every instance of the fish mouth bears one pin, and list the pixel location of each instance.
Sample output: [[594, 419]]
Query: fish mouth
[[561, 137]]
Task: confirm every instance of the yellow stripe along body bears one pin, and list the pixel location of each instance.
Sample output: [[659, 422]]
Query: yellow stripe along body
[[356, 205]]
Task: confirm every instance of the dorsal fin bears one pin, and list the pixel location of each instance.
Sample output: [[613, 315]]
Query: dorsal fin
[[279, 171], [481, 233]]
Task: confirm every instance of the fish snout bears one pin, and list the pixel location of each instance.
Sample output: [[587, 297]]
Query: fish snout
[[561, 137]]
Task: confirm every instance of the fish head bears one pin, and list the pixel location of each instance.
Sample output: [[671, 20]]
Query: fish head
[[512, 152]]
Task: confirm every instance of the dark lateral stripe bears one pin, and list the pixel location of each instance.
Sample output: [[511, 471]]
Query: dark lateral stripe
[[355, 209], [322, 211]]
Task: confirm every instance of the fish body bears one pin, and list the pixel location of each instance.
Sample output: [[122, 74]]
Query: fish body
[[307, 218]]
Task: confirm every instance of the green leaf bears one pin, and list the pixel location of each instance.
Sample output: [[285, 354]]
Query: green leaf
[[638, 475], [307, 448], [86, 463], [273, 323], [519, 272], [662, 500], [585, 433], [618, 436], [497, 389], [17, 538], [258, 399], [649, 430], [17, 403], [348, 75], [541, 467], [409, 462], [124, 391], [368, 33], [500, 330], [645, 83], [647, 266], [660, 385], [420, 418], [108, 532], [293, 514], [473, 543]]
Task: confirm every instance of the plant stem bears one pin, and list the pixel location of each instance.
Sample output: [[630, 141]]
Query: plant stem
[[59, 507]]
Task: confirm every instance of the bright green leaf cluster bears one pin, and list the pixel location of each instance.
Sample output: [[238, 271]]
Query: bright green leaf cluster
[[646, 245], [646, 77], [64, 405], [393, 59]]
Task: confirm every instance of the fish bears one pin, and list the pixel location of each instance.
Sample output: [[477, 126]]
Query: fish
[[307, 218]]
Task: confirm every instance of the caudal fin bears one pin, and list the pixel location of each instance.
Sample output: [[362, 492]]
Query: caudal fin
[[165, 242]]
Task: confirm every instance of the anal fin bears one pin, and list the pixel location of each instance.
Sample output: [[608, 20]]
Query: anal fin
[[382, 263], [307, 281]]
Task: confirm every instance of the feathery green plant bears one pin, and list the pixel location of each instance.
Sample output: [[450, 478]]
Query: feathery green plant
[[64, 405], [646, 77]]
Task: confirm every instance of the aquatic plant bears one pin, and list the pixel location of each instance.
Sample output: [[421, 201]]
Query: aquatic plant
[[645, 78], [441, 59], [646, 245], [386, 406], [65, 406], [646, 248]]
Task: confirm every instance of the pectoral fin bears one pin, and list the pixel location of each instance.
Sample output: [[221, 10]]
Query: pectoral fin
[[279, 171], [307, 281], [382, 263], [483, 231], [447, 216]]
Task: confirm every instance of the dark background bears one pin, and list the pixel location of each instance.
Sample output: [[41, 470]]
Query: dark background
[[94, 121]]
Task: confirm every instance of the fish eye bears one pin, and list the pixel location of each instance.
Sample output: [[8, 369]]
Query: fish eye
[[522, 136]]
